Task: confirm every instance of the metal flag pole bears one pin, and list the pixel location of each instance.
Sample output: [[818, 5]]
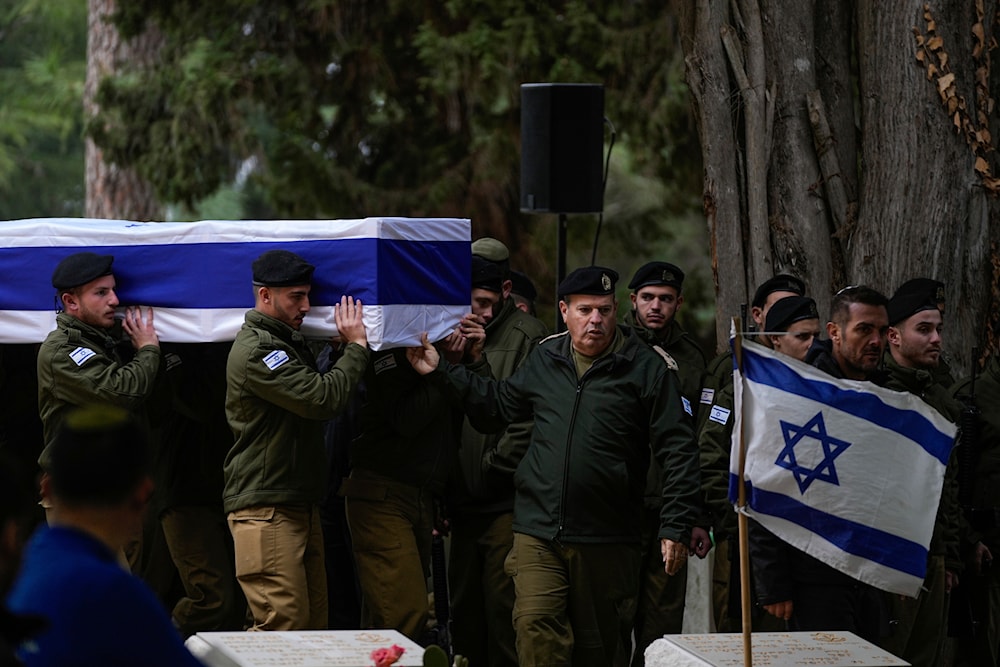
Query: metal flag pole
[[741, 501]]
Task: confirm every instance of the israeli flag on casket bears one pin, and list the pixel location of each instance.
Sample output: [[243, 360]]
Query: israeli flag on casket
[[849, 472], [412, 275]]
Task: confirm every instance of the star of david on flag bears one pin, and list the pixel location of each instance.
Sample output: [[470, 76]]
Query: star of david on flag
[[846, 471]]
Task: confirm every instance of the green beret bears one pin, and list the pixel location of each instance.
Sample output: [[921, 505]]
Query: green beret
[[490, 249], [786, 312], [80, 268], [914, 296], [522, 286], [281, 268], [596, 280], [657, 273], [783, 282], [486, 275]]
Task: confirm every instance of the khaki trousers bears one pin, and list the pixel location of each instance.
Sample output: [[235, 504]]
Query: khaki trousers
[[280, 566], [573, 603]]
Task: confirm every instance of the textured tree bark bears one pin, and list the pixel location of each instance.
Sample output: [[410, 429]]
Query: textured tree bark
[[708, 78], [919, 181], [922, 210], [799, 221], [113, 192]]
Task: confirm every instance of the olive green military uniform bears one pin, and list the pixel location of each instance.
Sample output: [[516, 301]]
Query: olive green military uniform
[[984, 514], [79, 364], [918, 627], [481, 504], [660, 608], [190, 441], [400, 465], [579, 488], [275, 473]]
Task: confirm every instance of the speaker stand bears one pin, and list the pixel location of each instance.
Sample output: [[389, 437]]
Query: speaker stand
[[560, 267]]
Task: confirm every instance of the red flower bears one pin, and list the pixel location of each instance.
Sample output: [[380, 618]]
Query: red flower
[[384, 657]]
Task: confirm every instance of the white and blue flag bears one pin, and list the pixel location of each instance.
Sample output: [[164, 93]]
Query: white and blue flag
[[846, 471], [411, 274]]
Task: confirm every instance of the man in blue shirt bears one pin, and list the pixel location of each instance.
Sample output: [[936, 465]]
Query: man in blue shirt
[[97, 612]]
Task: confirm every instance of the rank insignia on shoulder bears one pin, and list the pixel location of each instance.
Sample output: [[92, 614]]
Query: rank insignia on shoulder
[[275, 359]]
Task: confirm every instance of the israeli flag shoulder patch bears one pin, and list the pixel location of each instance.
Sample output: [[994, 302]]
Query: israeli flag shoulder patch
[[687, 406], [719, 414], [276, 359], [386, 363], [81, 354], [707, 395]]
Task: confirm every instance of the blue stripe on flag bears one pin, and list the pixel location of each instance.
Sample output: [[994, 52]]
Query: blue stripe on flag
[[864, 541], [861, 404], [218, 275]]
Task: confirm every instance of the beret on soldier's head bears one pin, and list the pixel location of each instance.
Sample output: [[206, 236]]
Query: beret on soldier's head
[[786, 312], [914, 296], [783, 282], [281, 268], [522, 286], [657, 273], [491, 249], [596, 280], [80, 268], [486, 275]]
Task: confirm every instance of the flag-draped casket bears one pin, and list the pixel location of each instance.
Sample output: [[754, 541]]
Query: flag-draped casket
[[412, 275]]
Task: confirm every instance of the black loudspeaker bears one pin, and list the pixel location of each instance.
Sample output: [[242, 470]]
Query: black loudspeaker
[[562, 145]]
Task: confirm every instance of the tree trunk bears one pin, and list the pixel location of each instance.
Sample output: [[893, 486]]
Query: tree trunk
[[113, 192], [923, 211], [799, 221], [707, 76], [916, 197]]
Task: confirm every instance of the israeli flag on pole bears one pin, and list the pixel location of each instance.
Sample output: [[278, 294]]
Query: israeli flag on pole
[[411, 274], [846, 471]]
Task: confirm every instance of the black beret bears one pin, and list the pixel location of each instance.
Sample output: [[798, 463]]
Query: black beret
[[281, 268], [80, 268], [522, 285], [486, 275], [657, 273], [783, 282], [596, 280], [786, 312], [914, 296]]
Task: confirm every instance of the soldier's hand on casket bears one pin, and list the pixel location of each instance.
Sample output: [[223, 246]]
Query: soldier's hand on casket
[[140, 330], [425, 358], [347, 315]]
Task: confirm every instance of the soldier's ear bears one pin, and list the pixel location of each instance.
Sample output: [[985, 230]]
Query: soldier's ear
[[833, 331]]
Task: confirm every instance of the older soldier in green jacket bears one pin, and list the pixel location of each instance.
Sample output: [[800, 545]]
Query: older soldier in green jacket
[[919, 625], [601, 400], [275, 474], [481, 501], [656, 298]]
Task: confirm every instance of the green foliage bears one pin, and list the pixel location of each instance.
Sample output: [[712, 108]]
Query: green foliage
[[352, 108], [42, 70]]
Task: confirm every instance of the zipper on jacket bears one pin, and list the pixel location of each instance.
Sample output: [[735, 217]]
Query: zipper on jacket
[[569, 441]]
